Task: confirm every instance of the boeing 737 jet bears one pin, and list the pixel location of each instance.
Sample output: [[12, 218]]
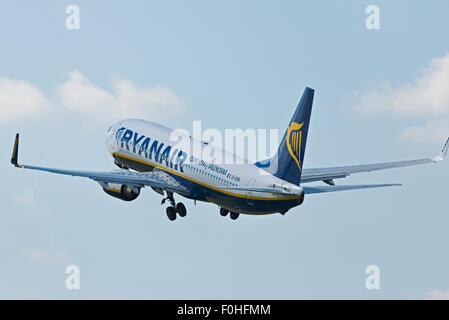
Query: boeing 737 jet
[[147, 156]]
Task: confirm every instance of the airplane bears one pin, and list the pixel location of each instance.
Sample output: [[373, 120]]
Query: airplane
[[147, 157]]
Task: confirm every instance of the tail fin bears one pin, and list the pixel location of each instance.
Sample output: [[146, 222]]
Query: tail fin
[[287, 162]]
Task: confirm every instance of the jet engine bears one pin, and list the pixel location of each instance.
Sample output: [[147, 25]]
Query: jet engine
[[122, 192]]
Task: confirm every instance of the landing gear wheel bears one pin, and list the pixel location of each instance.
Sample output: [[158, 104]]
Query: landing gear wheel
[[224, 212], [181, 209], [171, 213], [234, 215]]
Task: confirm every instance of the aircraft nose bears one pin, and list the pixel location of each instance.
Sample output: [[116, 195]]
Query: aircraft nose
[[111, 142]]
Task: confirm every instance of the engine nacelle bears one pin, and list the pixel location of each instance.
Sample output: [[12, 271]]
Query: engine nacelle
[[122, 192]]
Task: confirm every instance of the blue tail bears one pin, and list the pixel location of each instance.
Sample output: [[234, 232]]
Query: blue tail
[[287, 162]]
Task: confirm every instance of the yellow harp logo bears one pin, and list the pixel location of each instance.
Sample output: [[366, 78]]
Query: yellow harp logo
[[294, 138]]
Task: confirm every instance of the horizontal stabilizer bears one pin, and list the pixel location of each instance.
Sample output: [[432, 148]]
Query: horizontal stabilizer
[[323, 189]]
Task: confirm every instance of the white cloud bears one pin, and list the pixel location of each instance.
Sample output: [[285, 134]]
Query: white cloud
[[39, 256], [20, 99], [434, 130], [437, 295], [26, 198], [80, 98], [427, 97]]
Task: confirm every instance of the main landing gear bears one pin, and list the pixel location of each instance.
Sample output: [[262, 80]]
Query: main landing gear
[[174, 208], [233, 215]]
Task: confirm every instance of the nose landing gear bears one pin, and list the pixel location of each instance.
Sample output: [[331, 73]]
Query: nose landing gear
[[174, 208]]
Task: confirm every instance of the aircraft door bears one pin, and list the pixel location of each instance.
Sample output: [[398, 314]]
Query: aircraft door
[[249, 195]]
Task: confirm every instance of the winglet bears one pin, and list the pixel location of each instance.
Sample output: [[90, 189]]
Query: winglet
[[443, 153], [15, 152]]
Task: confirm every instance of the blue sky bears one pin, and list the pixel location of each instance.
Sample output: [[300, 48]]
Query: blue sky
[[380, 96]]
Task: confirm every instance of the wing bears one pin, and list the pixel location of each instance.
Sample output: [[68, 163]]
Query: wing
[[328, 174], [155, 179]]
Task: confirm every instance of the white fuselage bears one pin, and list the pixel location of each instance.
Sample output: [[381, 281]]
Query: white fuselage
[[150, 145]]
